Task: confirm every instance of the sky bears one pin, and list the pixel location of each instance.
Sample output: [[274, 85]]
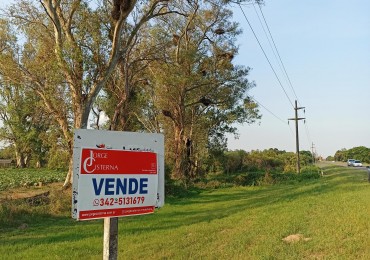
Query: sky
[[325, 49]]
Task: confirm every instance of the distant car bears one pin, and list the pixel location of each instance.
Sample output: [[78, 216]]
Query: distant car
[[357, 164], [350, 162]]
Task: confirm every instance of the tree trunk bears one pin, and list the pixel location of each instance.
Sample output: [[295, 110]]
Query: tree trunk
[[20, 158], [178, 172], [124, 117], [69, 178], [26, 160], [117, 113], [38, 164], [20, 161]]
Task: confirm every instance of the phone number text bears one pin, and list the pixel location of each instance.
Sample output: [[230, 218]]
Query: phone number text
[[119, 201]]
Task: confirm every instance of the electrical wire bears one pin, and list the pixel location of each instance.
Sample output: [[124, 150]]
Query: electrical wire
[[281, 120], [268, 110], [268, 38], [268, 60], [281, 61]]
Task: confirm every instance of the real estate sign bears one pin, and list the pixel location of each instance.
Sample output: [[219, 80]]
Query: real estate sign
[[116, 174]]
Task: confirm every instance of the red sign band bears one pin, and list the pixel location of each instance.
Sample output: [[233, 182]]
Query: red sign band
[[99, 161]]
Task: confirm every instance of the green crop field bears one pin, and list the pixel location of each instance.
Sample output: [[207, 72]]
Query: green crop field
[[329, 217], [13, 178]]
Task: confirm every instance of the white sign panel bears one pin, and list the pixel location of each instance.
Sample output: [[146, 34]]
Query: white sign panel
[[116, 174]]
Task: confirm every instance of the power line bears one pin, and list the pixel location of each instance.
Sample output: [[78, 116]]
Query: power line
[[267, 37], [268, 60], [281, 120], [268, 110], [281, 61], [282, 67]]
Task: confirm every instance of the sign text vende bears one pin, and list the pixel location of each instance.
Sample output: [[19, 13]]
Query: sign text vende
[[118, 186]]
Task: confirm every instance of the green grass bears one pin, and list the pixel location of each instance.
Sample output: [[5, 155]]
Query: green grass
[[13, 177], [228, 223]]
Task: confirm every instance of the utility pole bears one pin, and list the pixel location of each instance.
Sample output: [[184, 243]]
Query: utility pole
[[313, 153], [296, 119]]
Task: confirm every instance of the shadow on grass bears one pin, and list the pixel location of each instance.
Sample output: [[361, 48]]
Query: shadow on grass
[[218, 204], [197, 207], [36, 229]]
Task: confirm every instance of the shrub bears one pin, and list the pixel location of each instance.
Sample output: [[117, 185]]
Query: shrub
[[266, 180], [58, 159], [18, 212], [13, 213], [211, 184], [249, 178], [60, 202], [310, 169]]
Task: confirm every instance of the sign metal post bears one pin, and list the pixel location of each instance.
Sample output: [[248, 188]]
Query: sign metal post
[[110, 241]]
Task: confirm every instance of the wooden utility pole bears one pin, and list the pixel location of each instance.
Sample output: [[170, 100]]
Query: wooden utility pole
[[296, 119], [313, 153]]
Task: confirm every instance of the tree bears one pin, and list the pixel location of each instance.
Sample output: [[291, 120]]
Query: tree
[[330, 158], [361, 153], [70, 51], [234, 161], [198, 90], [125, 101], [24, 121], [306, 157], [266, 160], [341, 155]]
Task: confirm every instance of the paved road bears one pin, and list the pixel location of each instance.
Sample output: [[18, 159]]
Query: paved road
[[344, 164]]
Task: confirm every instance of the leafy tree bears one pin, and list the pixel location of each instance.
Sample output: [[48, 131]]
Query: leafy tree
[[341, 155], [23, 121], [269, 160], [306, 157], [361, 153], [330, 158], [124, 102], [234, 161], [7, 152], [266, 160], [69, 51], [199, 92]]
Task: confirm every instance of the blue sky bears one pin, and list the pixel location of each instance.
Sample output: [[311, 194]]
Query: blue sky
[[325, 47]]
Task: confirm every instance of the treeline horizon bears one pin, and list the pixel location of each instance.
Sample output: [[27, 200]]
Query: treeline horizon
[[360, 153]]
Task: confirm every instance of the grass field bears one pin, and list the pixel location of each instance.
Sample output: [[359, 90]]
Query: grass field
[[332, 213]]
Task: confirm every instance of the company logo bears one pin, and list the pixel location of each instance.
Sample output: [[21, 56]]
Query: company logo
[[99, 161], [90, 166], [88, 163]]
